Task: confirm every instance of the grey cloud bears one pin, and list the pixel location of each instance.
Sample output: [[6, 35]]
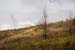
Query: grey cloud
[[32, 10]]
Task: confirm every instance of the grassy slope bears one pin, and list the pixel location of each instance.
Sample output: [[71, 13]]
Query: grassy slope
[[58, 37]]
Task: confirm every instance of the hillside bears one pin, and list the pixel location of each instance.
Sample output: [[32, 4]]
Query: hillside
[[58, 37]]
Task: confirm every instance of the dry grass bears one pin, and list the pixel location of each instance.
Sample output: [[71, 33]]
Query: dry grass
[[58, 38]]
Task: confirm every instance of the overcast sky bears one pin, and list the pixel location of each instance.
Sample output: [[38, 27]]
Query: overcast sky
[[30, 12]]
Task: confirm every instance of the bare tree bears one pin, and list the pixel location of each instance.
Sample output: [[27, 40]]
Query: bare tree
[[45, 21], [14, 23], [70, 24]]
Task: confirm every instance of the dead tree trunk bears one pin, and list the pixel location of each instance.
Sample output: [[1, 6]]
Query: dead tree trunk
[[45, 22]]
